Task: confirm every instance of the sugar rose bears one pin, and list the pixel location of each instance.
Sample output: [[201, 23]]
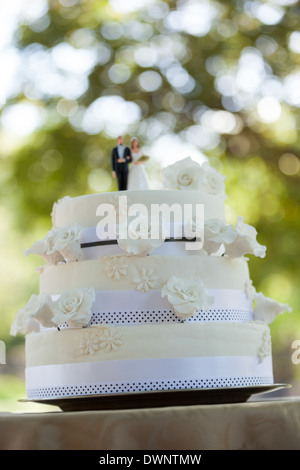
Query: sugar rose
[[74, 307], [187, 296], [67, 242], [184, 174]]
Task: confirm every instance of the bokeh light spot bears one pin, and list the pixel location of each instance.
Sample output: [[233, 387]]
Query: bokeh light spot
[[22, 118], [267, 13], [289, 164], [269, 109], [119, 73], [111, 114], [150, 81], [145, 56], [52, 160], [279, 283], [294, 42], [112, 30], [99, 180], [67, 108]]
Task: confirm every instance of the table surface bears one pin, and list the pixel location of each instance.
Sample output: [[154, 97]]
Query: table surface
[[269, 424]]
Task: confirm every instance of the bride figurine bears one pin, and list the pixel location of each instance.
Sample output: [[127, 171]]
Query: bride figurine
[[137, 178]]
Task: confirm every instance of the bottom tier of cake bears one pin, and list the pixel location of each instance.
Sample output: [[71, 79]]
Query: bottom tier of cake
[[106, 359]]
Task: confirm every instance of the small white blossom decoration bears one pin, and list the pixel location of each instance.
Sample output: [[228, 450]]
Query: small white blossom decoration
[[110, 340], [145, 280], [89, 343], [265, 348], [115, 267], [101, 337]]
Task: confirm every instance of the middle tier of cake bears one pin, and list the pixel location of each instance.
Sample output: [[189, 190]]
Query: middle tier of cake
[[128, 289]]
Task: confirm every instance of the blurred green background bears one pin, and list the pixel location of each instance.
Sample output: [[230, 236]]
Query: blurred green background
[[206, 79]]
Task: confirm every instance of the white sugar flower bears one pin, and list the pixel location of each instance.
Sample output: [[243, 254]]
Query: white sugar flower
[[59, 245], [189, 175], [250, 289], [216, 233], [146, 280], [38, 311], [39, 248], [212, 181], [52, 255], [45, 248], [142, 239], [74, 307], [267, 309], [67, 242], [265, 348], [24, 323], [183, 174], [244, 242], [115, 267], [187, 296], [40, 308], [110, 340], [89, 343]]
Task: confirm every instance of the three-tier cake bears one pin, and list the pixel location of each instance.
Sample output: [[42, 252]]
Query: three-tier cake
[[138, 312]]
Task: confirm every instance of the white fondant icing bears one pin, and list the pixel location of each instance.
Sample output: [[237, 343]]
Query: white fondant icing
[[150, 341], [215, 272], [83, 209]]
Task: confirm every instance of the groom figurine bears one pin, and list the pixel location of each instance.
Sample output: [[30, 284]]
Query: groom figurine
[[120, 157]]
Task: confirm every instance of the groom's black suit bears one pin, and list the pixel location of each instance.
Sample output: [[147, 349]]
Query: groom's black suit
[[121, 169]]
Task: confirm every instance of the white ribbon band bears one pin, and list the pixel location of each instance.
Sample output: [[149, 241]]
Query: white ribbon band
[[131, 307], [147, 374]]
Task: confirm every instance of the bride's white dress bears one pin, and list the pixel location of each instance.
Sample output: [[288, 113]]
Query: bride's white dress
[[137, 178]]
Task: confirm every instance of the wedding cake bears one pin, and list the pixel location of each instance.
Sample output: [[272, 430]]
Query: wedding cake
[[121, 310]]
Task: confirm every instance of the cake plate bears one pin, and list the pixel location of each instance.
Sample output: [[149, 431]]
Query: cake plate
[[158, 398]]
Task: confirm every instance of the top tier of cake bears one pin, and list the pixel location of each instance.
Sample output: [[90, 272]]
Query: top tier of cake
[[83, 209], [195, 192]]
